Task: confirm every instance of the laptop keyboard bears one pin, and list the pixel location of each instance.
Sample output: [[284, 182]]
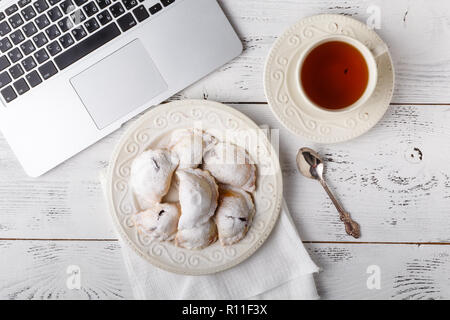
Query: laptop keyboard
[[39, 38]]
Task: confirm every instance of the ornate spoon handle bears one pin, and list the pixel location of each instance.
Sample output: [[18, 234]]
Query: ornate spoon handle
[[351, 227]]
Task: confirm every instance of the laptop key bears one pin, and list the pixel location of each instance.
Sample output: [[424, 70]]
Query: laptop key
[[77, 16], [5, 78], [79, 33], [40, 39], [141, 13], [15, 20], [16, 71], [4, 63], [66, 40], [53, 2], [42, 21], [47, 70], [54, 48], [167, 2], [28, 63], [41, 56], [67, 6], [102, 4], [40, 6], [5, 45], [29, 29], [65, 24], [156, 8], [80, 2], [28, 13], [2, 16], [90, 9], [10, 10], [21, 86], [54, 14], [23, 3], [91, 25], [33, 78], [17, 37], [4, 28], [126, 22], [129, 4], [86, 46], [52, 32], [15, 55], [8, 94], [27, 47], [104, 17], [117, 9]]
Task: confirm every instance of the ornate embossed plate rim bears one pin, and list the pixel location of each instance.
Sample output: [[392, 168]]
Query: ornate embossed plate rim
[[149, 116], [379, 107]]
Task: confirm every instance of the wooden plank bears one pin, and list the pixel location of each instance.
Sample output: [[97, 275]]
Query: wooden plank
[[417, 33], [38, 270], [41, 270], [394, 181], [406, 271]]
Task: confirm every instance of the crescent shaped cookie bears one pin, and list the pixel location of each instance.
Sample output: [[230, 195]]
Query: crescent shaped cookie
[[234, 214], [198, 237], [198, 194], [151, 174], [231, 165], [158, 222], [190, 145]]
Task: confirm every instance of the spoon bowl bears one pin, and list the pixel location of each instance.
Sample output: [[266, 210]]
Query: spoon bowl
[[310, 164]]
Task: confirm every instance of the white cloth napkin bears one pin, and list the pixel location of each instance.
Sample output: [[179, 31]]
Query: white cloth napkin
[[280, 269]]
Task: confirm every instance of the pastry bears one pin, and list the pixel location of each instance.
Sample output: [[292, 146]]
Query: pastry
[[231, 165], [189, 145], [234, 214], [197, 237], [158, 222], [151, 174], [198, 194]]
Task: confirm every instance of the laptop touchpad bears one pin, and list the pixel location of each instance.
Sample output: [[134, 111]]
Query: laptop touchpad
[[119, 83]]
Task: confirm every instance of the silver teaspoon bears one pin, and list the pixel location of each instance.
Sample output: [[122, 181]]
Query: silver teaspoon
[[311, 166]]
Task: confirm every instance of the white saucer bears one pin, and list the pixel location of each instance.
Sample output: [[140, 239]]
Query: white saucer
[[281, 78], [153, 130]]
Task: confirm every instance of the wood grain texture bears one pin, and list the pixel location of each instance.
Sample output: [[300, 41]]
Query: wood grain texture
[[416, 32], [393, 181], [407, 271], [38, 270]]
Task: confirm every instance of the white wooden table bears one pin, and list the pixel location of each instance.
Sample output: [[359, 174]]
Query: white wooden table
[[395, 180]]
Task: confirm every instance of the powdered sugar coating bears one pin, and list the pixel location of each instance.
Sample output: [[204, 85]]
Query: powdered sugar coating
[[198, 194], [198, 237], [151, 174], [230, 164], [159, 221], [234, 214], [190, 145]]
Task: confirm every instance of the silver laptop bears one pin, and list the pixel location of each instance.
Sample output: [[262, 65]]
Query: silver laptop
[[73, 71]]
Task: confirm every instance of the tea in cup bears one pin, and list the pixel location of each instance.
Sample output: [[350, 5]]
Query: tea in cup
[[338, 73]]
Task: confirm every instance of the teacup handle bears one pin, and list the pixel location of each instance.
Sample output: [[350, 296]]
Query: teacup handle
[[379, 51]]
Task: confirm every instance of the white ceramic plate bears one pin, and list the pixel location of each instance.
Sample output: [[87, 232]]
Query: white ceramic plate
[[281, 79], [153, 130]]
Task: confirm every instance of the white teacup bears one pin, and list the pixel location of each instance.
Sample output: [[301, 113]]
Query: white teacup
[[368, 55]]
